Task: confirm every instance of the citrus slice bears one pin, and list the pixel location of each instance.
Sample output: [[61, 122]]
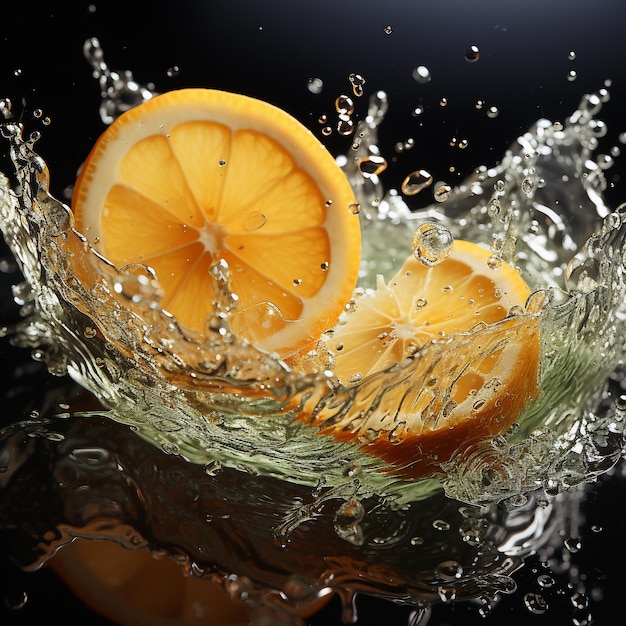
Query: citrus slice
[[130, 587], [197, 176], [466, 360]]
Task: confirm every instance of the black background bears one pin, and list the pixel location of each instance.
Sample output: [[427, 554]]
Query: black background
[[271, 50]]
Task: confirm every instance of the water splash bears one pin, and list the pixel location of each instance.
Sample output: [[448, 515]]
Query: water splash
[[222, 404]]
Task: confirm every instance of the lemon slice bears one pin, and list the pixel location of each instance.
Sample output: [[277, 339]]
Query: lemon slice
[[466, 360], [195, 176]]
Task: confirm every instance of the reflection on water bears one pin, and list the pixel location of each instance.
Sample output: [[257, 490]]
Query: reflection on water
[[91, 477], [266, 502]]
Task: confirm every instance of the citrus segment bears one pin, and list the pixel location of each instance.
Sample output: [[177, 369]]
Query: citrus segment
[[464, 366], [197, 176]]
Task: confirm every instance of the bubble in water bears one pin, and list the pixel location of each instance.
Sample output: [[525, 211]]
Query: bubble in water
[[372, 166], [472, 54], [416, 181], [442, 192], [421, 74], [572, 75], [315, 85], [173, 71], [493, 112], [432, 243], [571, 55]]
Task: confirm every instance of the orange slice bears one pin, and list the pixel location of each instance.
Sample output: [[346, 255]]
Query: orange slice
[[133, 588], [466, 361], [197, 176]]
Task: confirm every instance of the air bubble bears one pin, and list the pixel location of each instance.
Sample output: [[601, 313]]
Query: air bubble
[[571, 55], [493, 112], [572, 75], [173, 71], [432, 243], [416, 181]]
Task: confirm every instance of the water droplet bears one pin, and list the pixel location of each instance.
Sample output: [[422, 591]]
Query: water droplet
[[388, 30], [494, 208], [463, 144], [571, 55], [572, 544], [357, 81], [417, 541], [579, 600], [173, 71], [442, 192], [441, 525], [416, 181], [472, 54], [372, 166], [327, 130], [493, 112], [15, 599], [558, 126], [345, 126], [254, 221], [90, 332], [449, 570], [535, 603], [344, 105], [431, 243], [421, 74], [315, 85], [355, 209], [417, 111], [479, 104], [494, 262], [572, 75], [528, 186], [443, 102], [222, 162], [545, 581]]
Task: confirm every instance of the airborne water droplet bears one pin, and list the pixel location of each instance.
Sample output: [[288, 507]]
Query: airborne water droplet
[[315, 85], [416, 181], [472, 54], [442, 192], [372, 166], [421, 74], [432, 243]]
